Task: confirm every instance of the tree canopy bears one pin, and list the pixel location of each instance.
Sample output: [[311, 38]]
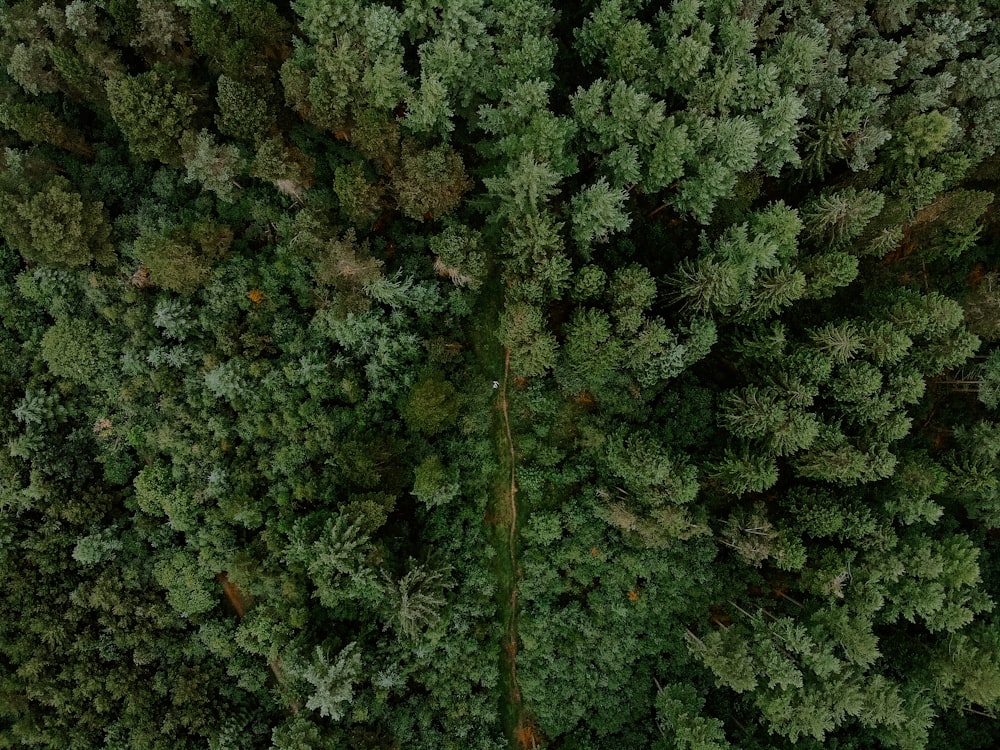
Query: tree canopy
[[474, 375]]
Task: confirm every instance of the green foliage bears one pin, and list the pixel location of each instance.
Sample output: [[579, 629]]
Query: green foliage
[[432, 405], [151, 113], [35, 123], [971, 671], [593, 355], [433, 483], [837, 218], [589, 282], [980, 306], [827, 272], [740, 474], [473, 375], [28, 66], [74, 349], [96, 548], [359, 198], [243, 112], [429, 183], [289, 169], [532, 348], [417, 599], [458, 256], [160, 26], [181, 259], [189, 589], [746, 271], [332, 680], [989, 381], [597, 213], [649, 472], [55, 225], [921, 136], [216, 166], [679, 710]]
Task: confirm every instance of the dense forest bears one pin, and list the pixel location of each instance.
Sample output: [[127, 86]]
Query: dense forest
[[453, 374]]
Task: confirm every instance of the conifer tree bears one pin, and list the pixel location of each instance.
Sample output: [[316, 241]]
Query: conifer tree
[[153, 113], [53, 224]]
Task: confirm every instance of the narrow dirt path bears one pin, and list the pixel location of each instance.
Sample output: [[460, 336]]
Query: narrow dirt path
[[510, 637], [519, 725]]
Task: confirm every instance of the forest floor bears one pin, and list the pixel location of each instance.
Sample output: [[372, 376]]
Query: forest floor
[[502, 519], [516, 719], [505, 496]]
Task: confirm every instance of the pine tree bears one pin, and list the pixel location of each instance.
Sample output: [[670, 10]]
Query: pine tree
[[434, 483], [742, 473], [680, 711], [152, 112], [751, 535], [433, 405], [968, 670], [597, 213], [215, 165], [29, 66], [160, 26], [181, 259], [532, 347], [244, 112], [74, 349], [417, 599], [289, 169], [55, 225], [593, 355], [458, 256], [839, 217], [359, 198], [726, 653], [841, 342], [34, 122], [332, 680], [429, 183]]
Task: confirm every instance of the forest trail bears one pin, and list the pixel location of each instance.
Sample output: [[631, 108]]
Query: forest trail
[[519, 726], [512, 488]]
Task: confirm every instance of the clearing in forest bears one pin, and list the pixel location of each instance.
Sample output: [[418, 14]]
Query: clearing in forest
[[517, 724]]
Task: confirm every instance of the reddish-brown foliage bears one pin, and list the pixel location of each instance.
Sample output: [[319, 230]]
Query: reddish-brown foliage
[[382, 221], [719, 616], [976, 275], [527, 735], [906, 248], [240, 601], [140, 279]]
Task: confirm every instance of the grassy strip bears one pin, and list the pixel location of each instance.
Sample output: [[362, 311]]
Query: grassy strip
[[501, 515]]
